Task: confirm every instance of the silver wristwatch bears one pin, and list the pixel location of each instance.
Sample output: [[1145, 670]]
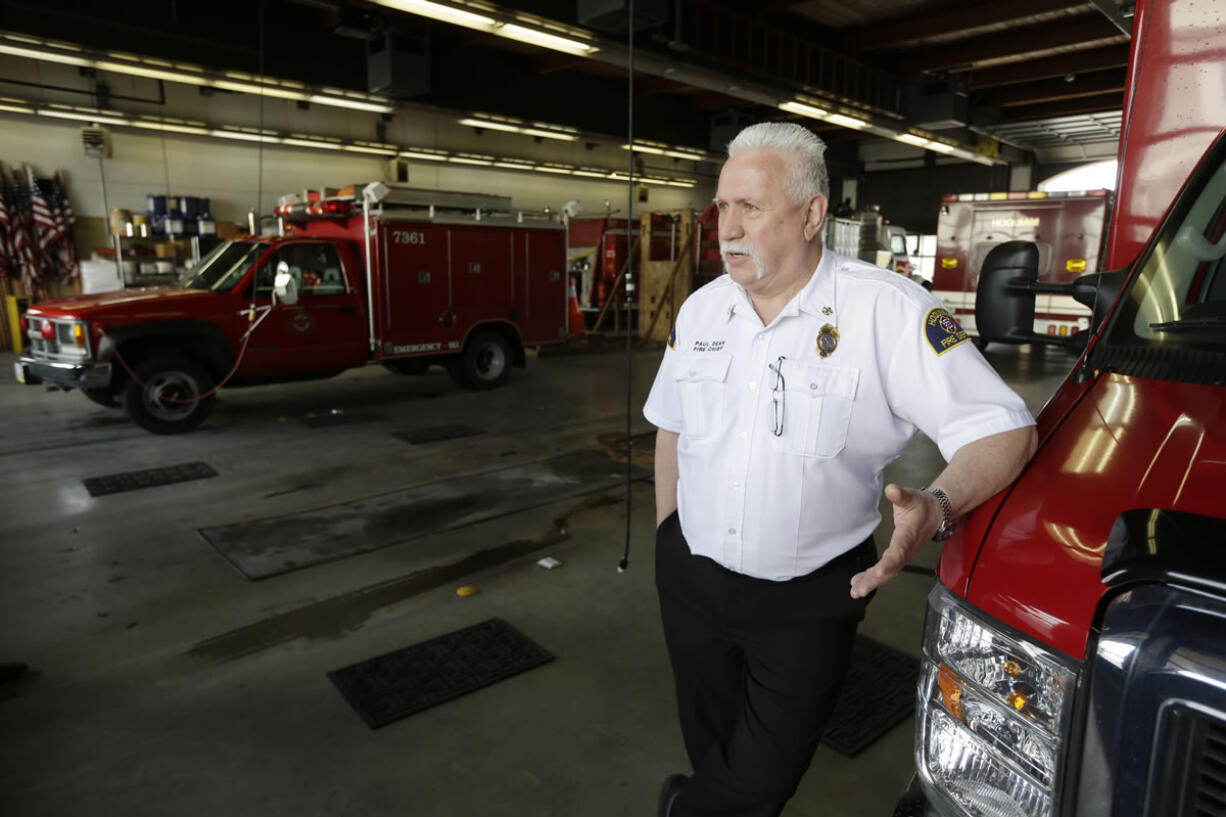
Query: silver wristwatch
[[946, 529]]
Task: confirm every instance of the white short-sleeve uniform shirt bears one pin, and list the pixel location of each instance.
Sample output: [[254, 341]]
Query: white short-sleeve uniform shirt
[[780, 474]]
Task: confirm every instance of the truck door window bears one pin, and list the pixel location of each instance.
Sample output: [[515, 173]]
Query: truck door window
[[1179, 297], [315, 266], [224, 266]]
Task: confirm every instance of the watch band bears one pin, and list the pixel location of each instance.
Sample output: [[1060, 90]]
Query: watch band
[[946, 529]]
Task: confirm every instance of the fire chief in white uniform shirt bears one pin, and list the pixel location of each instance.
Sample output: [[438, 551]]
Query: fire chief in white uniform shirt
[[787, 386]]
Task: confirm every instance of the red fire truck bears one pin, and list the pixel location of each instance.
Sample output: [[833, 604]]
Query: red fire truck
[[1067, 228], [1074, 654], [376, 273]]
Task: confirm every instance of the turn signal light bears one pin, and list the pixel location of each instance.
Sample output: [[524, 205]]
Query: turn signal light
[[951, 691], [78, 334]]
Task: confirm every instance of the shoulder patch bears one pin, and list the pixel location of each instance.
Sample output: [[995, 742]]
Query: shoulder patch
[[672, 338], [942, 331]]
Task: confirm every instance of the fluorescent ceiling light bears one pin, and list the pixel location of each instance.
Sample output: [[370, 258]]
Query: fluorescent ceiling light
[[485, 123], [244, 137], [911, 139], [151, 73], [437, 11], [682, 183], [16, 109], [549, 134], [639, 147], [595, 174], [548, 169], [515, 165], [940, 147], [49, 56], [681, 154], [364, 149], [462, 160], [172, 128], [846, 121], [432, 157], [802, 109], [344, 102], [534, 36], [310, 143], [85, 117], [261, 90]]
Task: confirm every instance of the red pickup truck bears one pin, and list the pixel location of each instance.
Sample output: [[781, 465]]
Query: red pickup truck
[[395, 275], [1074, 653]]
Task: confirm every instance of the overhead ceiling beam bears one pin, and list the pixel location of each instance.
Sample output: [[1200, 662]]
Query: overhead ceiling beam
[[1050, 90], [1018, 42], [1066, 107], [925, 24], [1112, 56]]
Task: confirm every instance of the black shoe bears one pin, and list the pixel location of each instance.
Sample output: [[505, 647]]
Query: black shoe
[[668, 793]]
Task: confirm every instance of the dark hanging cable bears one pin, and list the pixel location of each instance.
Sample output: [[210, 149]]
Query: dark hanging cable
[[259, 189], [625, 560]]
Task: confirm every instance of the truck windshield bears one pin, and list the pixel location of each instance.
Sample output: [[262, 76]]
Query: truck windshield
[[1178, 301], [225, 266]]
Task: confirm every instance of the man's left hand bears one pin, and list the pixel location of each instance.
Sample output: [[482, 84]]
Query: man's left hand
[[917, 515]]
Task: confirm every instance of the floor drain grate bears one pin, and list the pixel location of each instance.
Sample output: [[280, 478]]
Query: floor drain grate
[[392, 686], [149, 478], [436, 434], [878, 695]]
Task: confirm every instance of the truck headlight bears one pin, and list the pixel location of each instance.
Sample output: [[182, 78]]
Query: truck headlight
[[993, 709]]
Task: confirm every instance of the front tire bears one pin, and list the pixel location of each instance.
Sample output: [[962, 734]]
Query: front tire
[[485, 362], [169, 401]]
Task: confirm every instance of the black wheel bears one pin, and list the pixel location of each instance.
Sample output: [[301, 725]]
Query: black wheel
[[169, 401], [485, 362], [412, 365], [103, 397]]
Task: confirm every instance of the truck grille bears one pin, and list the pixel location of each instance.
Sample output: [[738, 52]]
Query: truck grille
[[1206, 785], [61, 348]]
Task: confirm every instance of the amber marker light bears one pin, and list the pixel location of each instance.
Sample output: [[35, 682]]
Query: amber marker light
[[951, 691]]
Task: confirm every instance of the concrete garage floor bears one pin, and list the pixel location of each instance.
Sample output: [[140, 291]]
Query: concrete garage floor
[[163, 682]]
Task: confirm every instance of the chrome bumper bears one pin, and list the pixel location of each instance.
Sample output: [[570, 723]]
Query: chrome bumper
[[86, 375]]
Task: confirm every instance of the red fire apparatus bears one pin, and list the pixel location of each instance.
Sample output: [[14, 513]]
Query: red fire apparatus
[[1074, 655], [376, 273], [1067, 228]]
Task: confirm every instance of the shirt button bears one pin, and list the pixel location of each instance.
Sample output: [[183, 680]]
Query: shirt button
[[693, 373], [744, 435], [753, 385], [736, 485], [813, 385], [732, 530]]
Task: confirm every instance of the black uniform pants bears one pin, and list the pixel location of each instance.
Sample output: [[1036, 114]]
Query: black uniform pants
[[758, 666]]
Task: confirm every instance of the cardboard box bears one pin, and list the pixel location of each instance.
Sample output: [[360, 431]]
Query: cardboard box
[[228, 229]]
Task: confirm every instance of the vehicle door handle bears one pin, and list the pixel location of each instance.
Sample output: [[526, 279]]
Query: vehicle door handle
[[348, 310]]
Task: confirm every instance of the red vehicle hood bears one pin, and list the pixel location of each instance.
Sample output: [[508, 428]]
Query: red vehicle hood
[[1130, 443], [145, 302]]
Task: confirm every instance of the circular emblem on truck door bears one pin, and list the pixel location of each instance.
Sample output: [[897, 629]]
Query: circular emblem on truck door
[[302, 322]]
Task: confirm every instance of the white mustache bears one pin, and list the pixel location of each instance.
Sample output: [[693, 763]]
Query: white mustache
[[726, 247]]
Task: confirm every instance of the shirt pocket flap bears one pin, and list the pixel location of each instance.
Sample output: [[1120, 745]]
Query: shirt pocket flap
[[818, 380], [700, 368]]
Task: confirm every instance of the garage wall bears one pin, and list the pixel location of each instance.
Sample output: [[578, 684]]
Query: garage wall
[[232, 173]]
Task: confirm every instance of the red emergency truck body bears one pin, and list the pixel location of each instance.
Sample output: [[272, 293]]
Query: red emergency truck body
[[452, 278], [1074, 655], [1069, 229]]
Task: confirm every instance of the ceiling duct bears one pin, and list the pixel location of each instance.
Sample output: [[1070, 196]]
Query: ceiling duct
[[611, 16], [937, 103], [398, 64]]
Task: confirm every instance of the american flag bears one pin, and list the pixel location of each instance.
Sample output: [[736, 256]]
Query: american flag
[[5, 243], [45, 226], [22, 241], [67, 253]]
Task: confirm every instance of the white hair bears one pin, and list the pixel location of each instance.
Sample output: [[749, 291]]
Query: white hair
[[804, 151]]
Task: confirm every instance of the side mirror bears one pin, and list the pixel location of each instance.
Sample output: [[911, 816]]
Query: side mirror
[[1004, 301], [283, 286]]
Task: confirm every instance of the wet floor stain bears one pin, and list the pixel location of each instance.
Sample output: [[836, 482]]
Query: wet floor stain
[[642, 447], [349, 611]]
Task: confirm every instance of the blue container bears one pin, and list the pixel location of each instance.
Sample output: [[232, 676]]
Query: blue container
[[156, 204]]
